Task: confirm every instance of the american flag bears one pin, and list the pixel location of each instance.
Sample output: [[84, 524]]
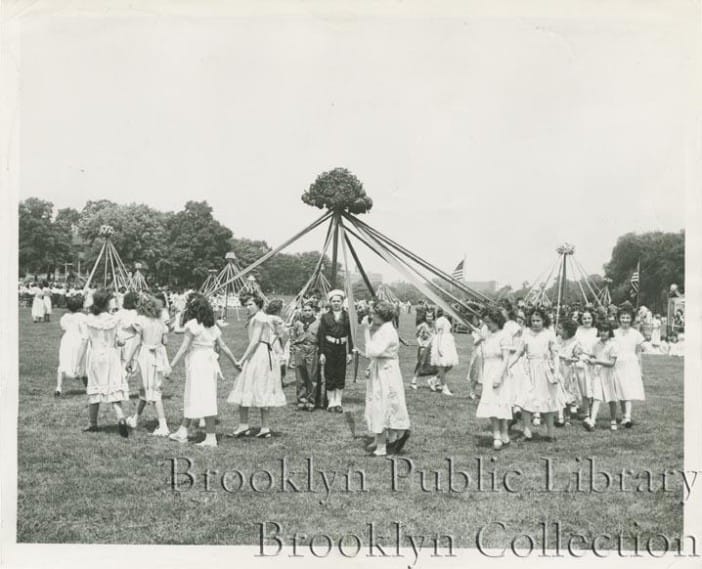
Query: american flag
[[458, 271], [635, 278]]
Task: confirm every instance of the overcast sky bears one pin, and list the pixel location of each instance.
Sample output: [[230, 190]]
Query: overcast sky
[[486, 134]]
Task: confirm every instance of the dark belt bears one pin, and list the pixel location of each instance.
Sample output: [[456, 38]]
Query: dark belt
[[270, 349]]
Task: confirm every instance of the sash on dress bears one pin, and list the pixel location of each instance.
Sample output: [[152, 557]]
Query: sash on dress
[[160, 357], [212, 356], [270, 350]]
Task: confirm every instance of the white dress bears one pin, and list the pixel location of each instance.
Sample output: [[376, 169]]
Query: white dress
[[586, 338], [152, 358], [385, 392], [259, 383], [73, 326], [475, 366], [656, 331], [443, 348], [566, 369], [627, 369], [543, 393], [38, 307], [47, 301], [126, 333], [604, 383], [495, 401], [106, 380], [517, 378], [201, 371]]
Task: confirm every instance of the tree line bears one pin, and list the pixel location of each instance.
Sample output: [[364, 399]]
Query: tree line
[[179, 248]]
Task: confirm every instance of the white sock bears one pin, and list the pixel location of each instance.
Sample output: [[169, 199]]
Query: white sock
[[162, 424], [339, 393], [210, 438], [182, 431]]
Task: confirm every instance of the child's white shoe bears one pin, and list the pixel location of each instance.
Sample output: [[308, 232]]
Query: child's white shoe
[[497, 444], [161, 432], [132, 422], [179, 436], [207, 443], [613, 426], [445, 390]]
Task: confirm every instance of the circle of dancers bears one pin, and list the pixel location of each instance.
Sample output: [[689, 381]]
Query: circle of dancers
[[531, 371]]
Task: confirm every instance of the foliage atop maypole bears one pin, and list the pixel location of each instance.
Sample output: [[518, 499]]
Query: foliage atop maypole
[[338, 190]]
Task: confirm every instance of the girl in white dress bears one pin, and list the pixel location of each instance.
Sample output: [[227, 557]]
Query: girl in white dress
[[127, 316], [517, 378], [586, 336], [443, 350], [280, 338], [656, 330], [201, 370], [604, 383], [475, 366], [628, 367], [152, 361], [47, 303], [38, 307], [543, 394], [73, 325], [106, 379], [259, 384], [568, 349], [425, 336], [386, 411], [496, 401]]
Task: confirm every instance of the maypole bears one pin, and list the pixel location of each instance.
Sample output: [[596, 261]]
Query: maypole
[[114, 274], [564, 251], [138, 281]]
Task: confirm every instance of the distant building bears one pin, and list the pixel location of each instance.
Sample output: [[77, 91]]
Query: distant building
[[372, 277], [486, 287]]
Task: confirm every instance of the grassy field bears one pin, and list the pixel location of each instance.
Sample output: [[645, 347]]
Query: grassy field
[[100, 488]]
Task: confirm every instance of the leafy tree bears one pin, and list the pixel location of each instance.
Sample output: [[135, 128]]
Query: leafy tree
[[43, 244], [35, 232], [338, 190], [406, 291], [196, 243], [66, 228], [140, 235], [662, 263]]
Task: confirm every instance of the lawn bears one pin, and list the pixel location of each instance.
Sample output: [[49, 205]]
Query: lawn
[[100, 488]]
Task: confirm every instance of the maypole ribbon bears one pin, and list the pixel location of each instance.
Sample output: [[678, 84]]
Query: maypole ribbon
[[277, 250], [353, 318]]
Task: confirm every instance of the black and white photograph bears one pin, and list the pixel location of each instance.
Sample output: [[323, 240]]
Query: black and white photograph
[[393, 284]]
